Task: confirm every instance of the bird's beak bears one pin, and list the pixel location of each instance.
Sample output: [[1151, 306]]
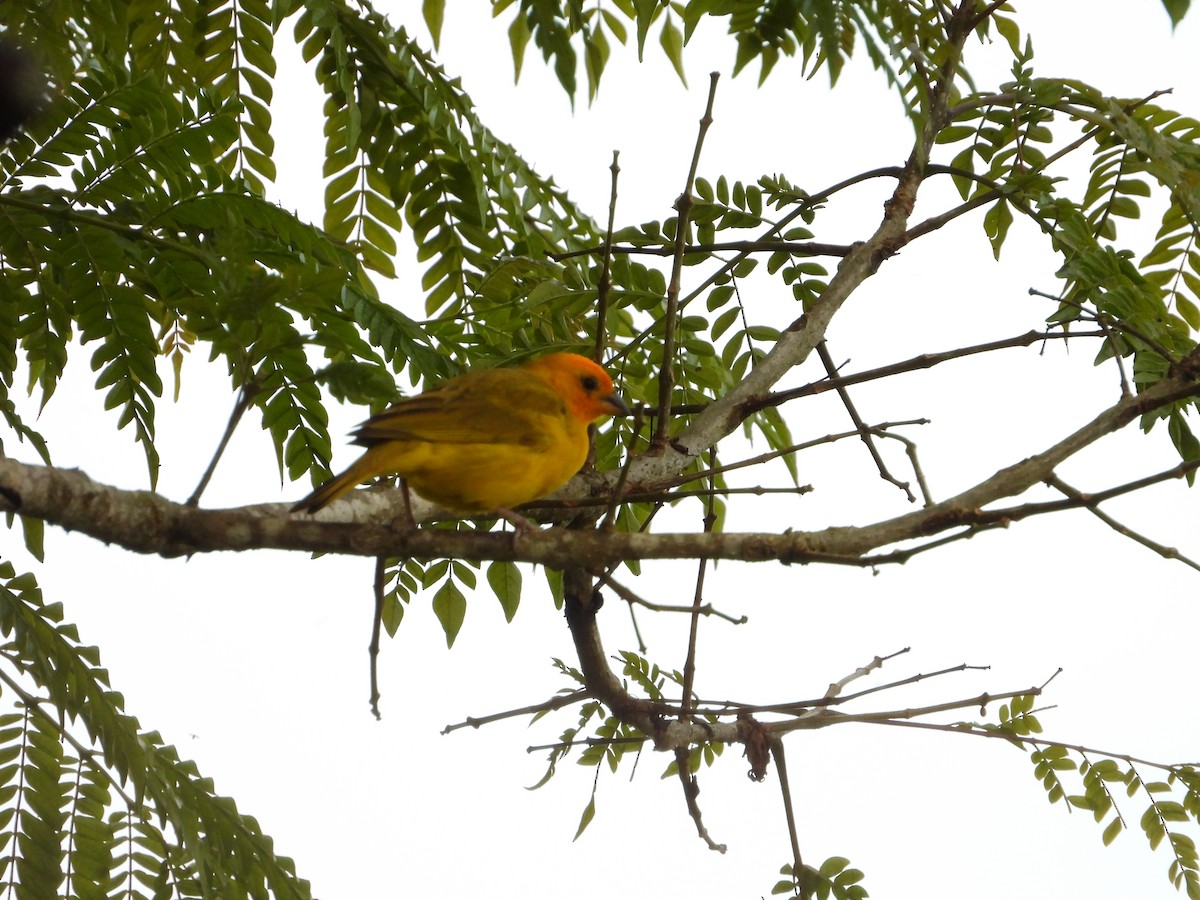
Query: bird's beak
[[616, 406]]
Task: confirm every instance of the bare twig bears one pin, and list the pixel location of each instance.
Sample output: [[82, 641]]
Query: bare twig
[[587, 742], [1105, 322], [803, 707], [634, 599], [860, 425], [835, 689], [985, 520], [910, 448], [881, 429], [913, 364], [605, 286], [785, 789], [689, 665], [546, 706], [973, 731], [637, 631], [691, 789], [684, 209], [245, 398], [618, 491], [376, 625], [1092, 505], [767, 245], [827, 717]]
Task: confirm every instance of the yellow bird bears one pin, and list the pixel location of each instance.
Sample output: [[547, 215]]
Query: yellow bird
[[484, 441]]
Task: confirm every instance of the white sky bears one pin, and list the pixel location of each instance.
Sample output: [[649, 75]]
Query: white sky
[[255, 665]]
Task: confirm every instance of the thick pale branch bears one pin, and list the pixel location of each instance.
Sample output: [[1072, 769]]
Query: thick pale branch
[[148, 523]]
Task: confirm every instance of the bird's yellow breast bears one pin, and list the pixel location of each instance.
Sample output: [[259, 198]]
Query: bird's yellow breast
[[481, 477]]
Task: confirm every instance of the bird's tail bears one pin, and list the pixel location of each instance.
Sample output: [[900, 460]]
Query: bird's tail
[[332, 489]]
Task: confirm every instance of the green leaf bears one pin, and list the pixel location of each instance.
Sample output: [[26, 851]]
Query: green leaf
[[589, 813], [450, 606], [1176, 9], [833, 866], [996, 222], [671, 40], [505, 579], [554, 578], [1188, 311], [1112, 830], [435, 13], [1172, 811], [646, 11], [391, 614], [35, 536], [953, 133], [518, 40], [1124, 206]]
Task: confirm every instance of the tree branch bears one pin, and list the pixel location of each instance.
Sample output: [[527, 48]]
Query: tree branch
[[146, 522]]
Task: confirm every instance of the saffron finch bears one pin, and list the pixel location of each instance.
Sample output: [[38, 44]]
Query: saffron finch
[[484, 441]]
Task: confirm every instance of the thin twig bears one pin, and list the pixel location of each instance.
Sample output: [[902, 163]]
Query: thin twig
[[985, 520], [829, 717], [605, 285], [376, 625], [688, 477], [634, 599], [618, 491], [863, 432], [835, 689], [684, 209], [910, 448], [913, 364], [637, 631], [803, 707], [1102, 322], [757, 491], [587, 742], [797, 248], [245, 398], [785, 787], [967, 728], [546, 706], [1121, 326], [1093, 506], [689, 665], [691, 790]]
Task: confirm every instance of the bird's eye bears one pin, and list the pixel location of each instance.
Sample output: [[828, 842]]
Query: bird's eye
[[589, 383]]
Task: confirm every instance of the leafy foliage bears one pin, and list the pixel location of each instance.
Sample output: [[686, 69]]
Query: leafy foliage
[[91, 803], [833, 878]]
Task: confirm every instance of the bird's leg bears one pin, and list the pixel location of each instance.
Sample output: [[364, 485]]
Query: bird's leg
[[405, 522], [408, 513], [518, 521]]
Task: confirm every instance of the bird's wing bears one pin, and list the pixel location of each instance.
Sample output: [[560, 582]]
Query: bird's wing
[[499, 406]]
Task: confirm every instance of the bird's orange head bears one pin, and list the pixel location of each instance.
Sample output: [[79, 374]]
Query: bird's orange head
[[585, 386]]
